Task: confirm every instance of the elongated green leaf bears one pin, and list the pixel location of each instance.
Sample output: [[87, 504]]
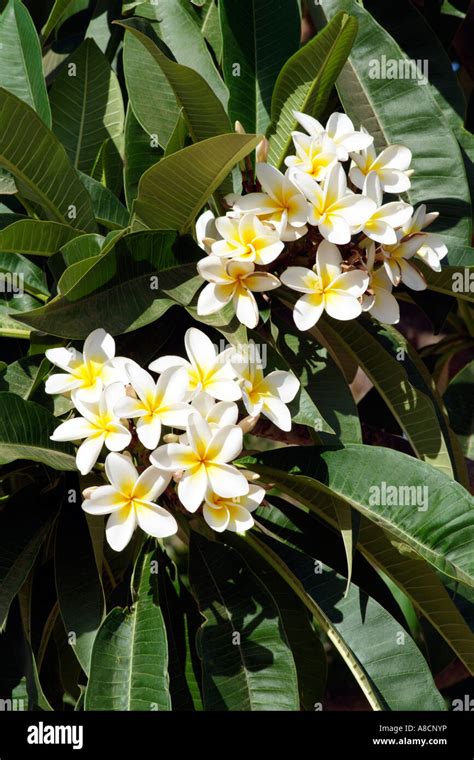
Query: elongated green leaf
[[80, 593], [86, 104], [459, 401], [24, 525], [397, 373], [423, 508], [25, 428], [171, 193], [182, 621], [417, 580], [57, 11], [128, 287], [29, 277], [247, 664], [108, 210], [177, 25], [258, 37], [35, 238], [20, 59], [436, 156], [203, 111], [141, 152], [305, 644], [305, 82], [210, 27], [40, 165], [25, 378], [129, 666], [392, 676]]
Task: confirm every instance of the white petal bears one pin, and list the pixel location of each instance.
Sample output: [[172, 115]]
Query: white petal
[[192, 487], [226, 444], [172, 386], [120, 528], [173, 457], [155, 520], [73, 430], [200, 349], [284, 384], [99, 346], [64, 357], [103, 501], [277, 412], [213, 298], [118, 438], [164, 362], [411, 277], [129, 407], [300, 279], [227, 481], [341, 305], [121, 472], [149, 431], [385, 307], [308, 310], [142, 382], [328, 261], [151, 484], [240, 519], [217, 519], [61, 383], [246, 309], [223, 413], [88, 453]]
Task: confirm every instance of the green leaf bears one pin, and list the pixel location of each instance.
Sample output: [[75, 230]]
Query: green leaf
[[25, 428], [57, 11], [25, 378], [80, 593], [417, 504], [204, 113], [24, 524], [140, 153], [20, 59], [258, 36], [210, 27], [171, 193], [118, 289], [459, 401], [392, 677], [306, 80], [30, 277], [178, 27], [182, 621], [129, 667], [305, 644], [35, 238], [40, 165], [404, 384], [86, 105], [437, 158], [416, 579], [247, 664], [108, 210]]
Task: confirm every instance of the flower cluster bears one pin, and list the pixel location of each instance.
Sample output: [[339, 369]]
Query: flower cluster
[[348, 247], [175, 437]]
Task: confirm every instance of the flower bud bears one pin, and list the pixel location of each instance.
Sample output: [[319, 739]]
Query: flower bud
[[130, 392], [87, 492], [177, 476], [239, 128], [261, 151], [171, 438], [248, 423]]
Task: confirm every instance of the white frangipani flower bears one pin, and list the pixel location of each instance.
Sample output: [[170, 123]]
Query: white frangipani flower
[[204, 461], [247, 239], [397, 265], [339, 129], [99, 425], [207, 370], [206, 230], [158, 403], [381, 225], [88, 372], [325, 287], [334, 210], [232, 514], [217, 414], [233, 281], [391, 167], [314, 155], [432, 249], [265, 395], [129, 499], [281, 203], [379, 299]]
